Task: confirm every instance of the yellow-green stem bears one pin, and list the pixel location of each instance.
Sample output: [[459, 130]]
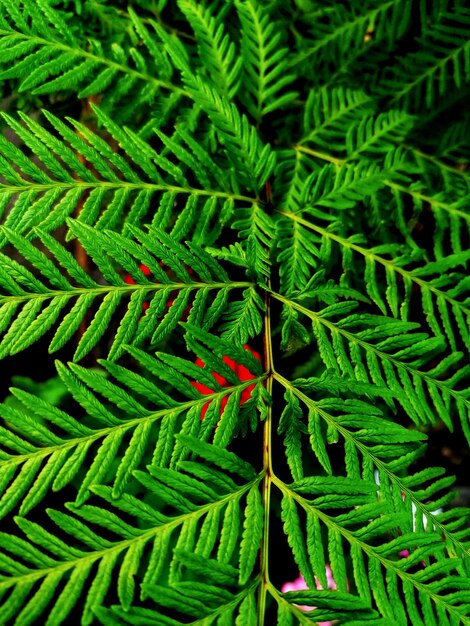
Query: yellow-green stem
[[267, 467]]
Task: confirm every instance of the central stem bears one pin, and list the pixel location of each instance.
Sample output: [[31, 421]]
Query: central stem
[[267, 467]]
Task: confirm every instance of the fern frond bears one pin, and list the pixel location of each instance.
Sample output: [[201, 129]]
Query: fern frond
[[256, 227], [342, 188], [453, 144], [216, 51], [298, 255], [329, 112], [370, 455], [253, 160], [450, 216], [242, 319], [272, 254], [244, 149], [441, 63], [392, 356], [339, 35], [35, 300], [120, 188], [191, 507], [132, 416], [265, 62], [438, 175], [375, 135], [294, 169], [46, 60], [386, 574], [391, 280], [404, 181]]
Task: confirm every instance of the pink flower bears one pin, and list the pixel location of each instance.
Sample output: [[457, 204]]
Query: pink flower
[[299, 584]]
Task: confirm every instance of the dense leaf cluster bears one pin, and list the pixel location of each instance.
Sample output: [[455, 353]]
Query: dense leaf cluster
[[293, 177]]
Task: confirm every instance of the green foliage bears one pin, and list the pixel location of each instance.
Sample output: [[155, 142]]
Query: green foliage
[[243, 226]]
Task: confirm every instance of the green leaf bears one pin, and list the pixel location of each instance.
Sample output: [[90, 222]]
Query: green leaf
[[253, 528]]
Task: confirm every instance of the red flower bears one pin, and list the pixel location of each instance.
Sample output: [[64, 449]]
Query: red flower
[[240, 370]]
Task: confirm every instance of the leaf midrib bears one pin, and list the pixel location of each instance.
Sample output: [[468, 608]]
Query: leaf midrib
[[28, 186], [78, 291]]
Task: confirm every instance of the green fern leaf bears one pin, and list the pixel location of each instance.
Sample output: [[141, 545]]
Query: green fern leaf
[[257, 212], [265, 62]]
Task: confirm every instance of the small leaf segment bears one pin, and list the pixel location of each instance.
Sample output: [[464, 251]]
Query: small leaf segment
[[147, 272], [242, 373]]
